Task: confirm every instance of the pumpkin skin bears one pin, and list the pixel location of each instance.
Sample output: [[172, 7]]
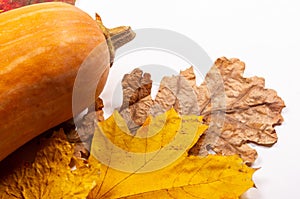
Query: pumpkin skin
[[42, 47]]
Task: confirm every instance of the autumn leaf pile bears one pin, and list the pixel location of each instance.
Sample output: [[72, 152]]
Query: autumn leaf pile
[[189, 142]]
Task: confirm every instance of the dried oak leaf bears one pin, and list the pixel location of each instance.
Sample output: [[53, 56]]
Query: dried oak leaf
[[175, 92], [149, 176], [238, 110], [136, 98], [6, 5], [50, 176]]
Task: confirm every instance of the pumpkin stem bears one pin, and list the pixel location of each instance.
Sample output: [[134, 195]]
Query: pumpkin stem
[[120, 36], [115, 37]]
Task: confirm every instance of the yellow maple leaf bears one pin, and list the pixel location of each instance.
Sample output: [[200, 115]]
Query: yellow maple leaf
[[154, 130], [50, 176], [141, 170], [165, 139]]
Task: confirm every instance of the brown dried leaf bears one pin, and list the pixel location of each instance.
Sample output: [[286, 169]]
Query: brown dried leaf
[[136, 86], [175, 92], [136, 98], [137, 104], [249, 115], [98, 108], [238, 110]]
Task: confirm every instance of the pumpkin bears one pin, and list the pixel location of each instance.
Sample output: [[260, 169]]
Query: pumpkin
[[42, 47]]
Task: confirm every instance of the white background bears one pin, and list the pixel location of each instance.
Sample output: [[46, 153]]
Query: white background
[[264, 34]]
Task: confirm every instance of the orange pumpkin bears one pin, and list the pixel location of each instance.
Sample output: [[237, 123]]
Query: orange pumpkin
[[42, 46]]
